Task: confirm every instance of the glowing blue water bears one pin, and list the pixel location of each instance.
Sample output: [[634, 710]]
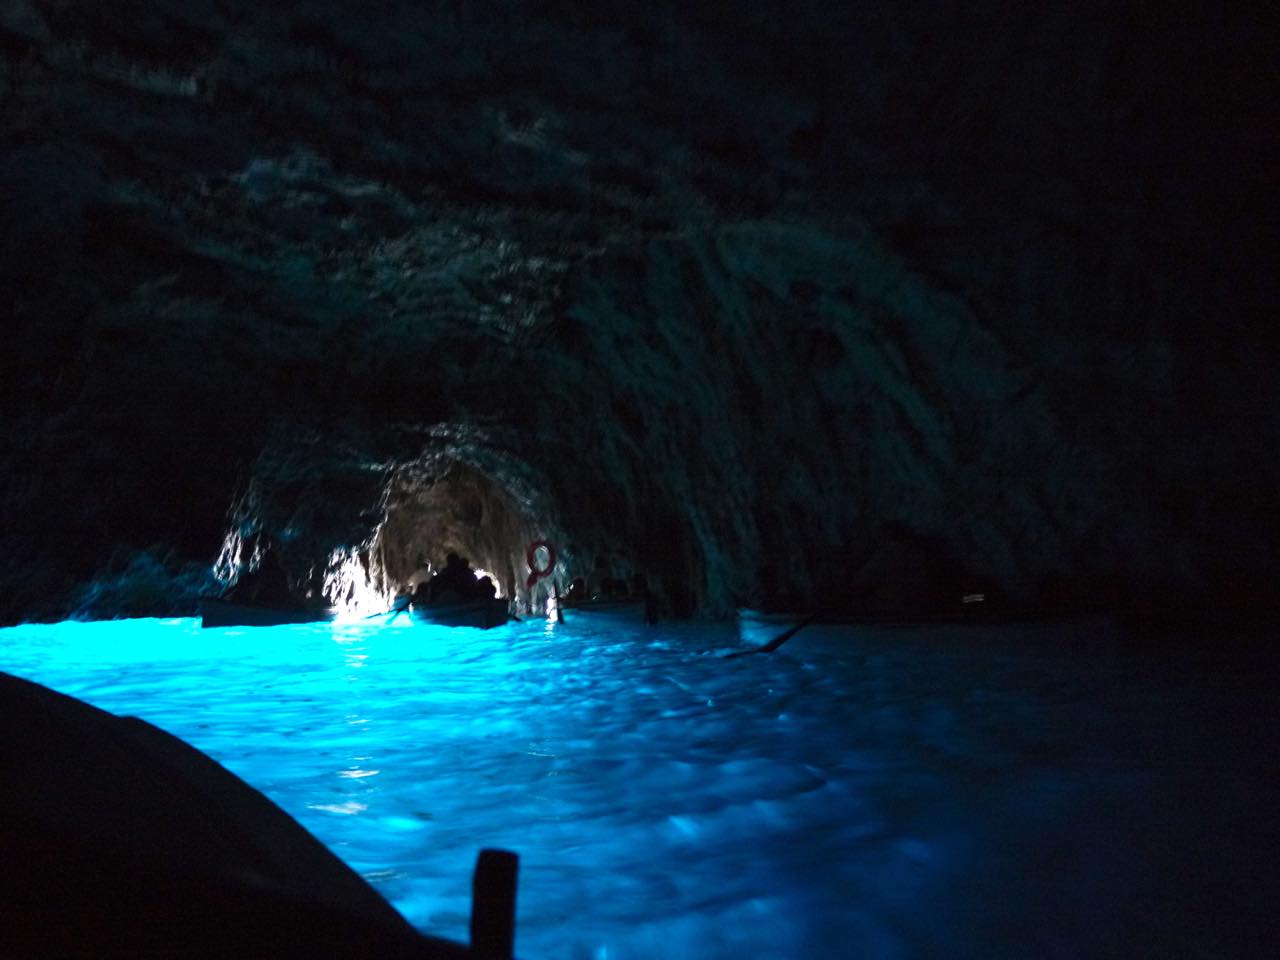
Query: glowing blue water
[[856, 794]]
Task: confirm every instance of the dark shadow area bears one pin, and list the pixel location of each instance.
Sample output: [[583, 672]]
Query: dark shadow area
[[123, 841]]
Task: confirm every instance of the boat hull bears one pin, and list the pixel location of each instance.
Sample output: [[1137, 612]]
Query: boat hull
[[966, 614], [483, 614], [605, 611], [224, 613]]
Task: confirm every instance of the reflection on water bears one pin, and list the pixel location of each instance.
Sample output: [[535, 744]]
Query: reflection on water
[[891, 794]]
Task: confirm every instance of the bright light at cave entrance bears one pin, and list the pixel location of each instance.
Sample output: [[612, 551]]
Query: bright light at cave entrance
[[349, 588]]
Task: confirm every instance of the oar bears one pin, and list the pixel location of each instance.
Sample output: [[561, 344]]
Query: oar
[[397, 608], [777, 641]]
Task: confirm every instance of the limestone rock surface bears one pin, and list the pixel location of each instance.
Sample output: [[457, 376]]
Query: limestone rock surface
[[902, 301]]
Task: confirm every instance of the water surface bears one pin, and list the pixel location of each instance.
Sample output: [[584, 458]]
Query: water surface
[[857, 794]]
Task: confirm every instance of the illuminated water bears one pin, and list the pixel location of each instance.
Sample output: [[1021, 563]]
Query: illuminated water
[[855, 795]]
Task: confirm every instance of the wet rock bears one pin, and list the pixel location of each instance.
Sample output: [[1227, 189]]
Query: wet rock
[[689, 290]]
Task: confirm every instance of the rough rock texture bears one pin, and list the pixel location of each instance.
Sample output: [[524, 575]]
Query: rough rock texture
[[960, 295]]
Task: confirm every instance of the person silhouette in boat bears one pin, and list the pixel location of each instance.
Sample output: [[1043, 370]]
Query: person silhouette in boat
[[267, 584], [640, 591], [421, 573], [456, 583]]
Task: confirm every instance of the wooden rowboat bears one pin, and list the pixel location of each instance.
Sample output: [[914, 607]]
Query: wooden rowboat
[[483, 614], [215, 612], [628, 610]]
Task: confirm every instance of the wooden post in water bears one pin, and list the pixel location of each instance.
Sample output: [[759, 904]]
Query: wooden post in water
[[493, 905]]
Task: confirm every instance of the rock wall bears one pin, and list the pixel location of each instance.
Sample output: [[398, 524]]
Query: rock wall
[[899, 301]]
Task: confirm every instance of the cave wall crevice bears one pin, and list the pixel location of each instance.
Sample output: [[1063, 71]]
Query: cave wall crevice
[[946, 287]]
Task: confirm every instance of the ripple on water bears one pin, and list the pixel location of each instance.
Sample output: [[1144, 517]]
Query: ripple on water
[[898, 797]]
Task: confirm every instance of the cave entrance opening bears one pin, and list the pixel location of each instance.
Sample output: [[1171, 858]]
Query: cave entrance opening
[[455, 508]]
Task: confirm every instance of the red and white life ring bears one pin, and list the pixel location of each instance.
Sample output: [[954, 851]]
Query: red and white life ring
[[536, 573]]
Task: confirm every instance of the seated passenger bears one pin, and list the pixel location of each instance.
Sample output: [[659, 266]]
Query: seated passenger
[[267, 584], [421, 572], [486, 589], [640, 591], [456, 583]]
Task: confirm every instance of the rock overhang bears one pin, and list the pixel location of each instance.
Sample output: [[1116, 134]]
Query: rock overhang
[[723, 308]]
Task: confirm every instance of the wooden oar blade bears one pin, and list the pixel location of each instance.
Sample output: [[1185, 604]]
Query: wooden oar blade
[[777, 641]]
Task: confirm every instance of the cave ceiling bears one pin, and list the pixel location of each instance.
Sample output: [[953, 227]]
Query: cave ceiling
[[969, 288]]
